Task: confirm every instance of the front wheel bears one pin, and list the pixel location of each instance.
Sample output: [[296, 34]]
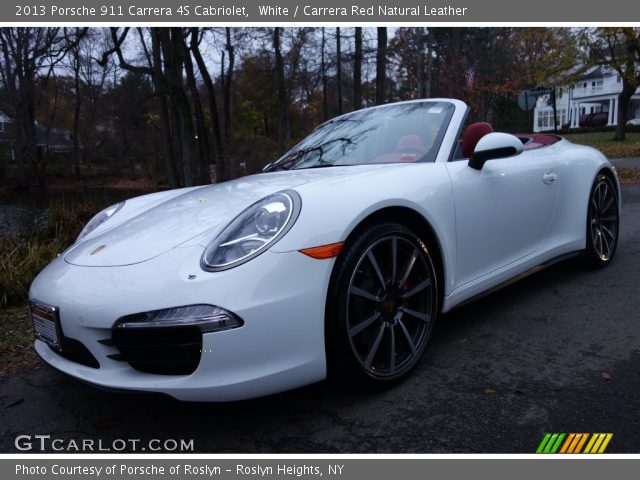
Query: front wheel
[[382, 306], [603, 220]]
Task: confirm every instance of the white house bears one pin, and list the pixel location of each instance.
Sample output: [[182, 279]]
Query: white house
[[51, 140], [597, 91], [4, 120]]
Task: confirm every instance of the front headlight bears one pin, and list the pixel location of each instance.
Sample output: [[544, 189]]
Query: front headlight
[[99, 219], [253, 231]]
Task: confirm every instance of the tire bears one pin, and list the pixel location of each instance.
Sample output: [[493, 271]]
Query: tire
[[603, 220], [379, 318]]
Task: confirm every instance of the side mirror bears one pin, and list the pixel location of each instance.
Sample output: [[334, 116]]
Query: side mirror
[[492, 146]]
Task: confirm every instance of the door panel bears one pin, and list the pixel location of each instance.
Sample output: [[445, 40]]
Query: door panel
[[503, 211]]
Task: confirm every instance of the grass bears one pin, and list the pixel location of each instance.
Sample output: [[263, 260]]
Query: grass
[[628, 176], [16, 340], [604, 142], [23, 256]]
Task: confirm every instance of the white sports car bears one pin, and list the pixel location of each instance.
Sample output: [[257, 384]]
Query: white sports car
[[335, 261]]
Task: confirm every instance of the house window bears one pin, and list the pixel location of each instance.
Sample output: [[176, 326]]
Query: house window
[[545, 118], [1, 126], [561, 117], [596, 86]]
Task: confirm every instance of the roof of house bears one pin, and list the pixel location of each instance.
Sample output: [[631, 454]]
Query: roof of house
[[598, 71], [54, 138]]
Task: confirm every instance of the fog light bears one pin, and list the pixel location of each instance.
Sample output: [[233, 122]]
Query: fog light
[[208, 318]]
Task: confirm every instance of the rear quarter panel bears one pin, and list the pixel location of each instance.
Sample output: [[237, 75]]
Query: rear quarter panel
[[577, 167]]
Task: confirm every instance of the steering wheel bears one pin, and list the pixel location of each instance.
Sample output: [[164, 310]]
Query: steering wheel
[[411, 149], [411, 153]]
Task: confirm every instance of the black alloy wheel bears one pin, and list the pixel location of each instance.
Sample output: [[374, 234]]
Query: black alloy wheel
[[386, 302]]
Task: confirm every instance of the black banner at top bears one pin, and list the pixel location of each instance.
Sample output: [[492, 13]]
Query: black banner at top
[[315, 11]]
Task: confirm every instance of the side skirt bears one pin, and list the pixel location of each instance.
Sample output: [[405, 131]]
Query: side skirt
[[517, 278]]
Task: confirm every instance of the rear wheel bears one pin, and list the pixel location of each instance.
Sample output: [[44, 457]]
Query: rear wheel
[[602, 223], [383, 304]]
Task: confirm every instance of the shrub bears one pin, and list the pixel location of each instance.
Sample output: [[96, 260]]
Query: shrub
[[23, 255]]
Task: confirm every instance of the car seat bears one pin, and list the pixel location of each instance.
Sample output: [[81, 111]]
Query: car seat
[[472, 136]]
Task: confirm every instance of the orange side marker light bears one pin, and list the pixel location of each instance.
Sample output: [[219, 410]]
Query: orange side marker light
[[324, 251]]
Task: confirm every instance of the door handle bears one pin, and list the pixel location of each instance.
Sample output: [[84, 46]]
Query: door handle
[[549, 177]]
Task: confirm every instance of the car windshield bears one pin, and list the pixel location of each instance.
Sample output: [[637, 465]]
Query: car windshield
[[408, 132]]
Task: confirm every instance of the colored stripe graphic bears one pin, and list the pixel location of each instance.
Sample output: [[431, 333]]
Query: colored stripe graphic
[[568, 442], [592, 440], [598, 443], [543, 443], [581, 443], [574, 443], [604, 445], [556, 445], [550, 443]]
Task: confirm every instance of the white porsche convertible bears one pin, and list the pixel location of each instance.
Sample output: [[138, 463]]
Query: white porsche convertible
[[335, 261]]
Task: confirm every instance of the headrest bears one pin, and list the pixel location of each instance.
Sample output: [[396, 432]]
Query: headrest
[[472, 136]]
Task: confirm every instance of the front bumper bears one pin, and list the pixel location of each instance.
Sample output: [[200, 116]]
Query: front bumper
[[280, 297]]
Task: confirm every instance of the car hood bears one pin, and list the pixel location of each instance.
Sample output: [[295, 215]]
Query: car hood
[[169, 223]]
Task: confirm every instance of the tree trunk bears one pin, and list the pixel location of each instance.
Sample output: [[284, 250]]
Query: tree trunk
[[76, 114], [221, 173], [227, 86], [427, 89], [421, 82], [282, 92], [204, 152], [163, 107], [624, 101], [172, 42], [76, 65], [381, 65], [25, 144], [339, 69], [26, 141], [169, 154], [325, 112], [357, 70]]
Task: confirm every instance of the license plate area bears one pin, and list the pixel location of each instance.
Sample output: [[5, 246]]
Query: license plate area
[[46, 324]]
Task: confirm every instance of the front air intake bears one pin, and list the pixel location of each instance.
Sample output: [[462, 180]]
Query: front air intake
[[168, 341], [160, 350]]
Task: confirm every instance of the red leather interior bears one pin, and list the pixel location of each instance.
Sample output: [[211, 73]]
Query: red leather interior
[[472, 136], [532, 141]]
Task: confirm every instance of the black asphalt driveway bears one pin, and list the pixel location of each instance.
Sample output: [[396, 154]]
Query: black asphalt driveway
[[556, 352]]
